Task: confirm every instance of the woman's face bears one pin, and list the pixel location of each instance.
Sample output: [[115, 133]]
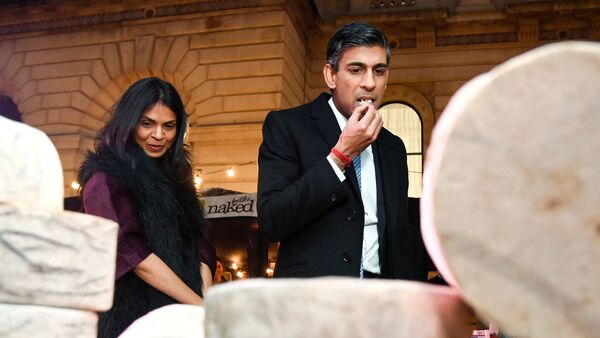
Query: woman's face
[[219, 269], [156, 130]]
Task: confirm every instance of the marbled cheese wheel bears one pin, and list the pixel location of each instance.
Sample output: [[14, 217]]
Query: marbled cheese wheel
[[511, 197], [64, 259], [31, 174], [33, 321], [334, 308], [170, 321]]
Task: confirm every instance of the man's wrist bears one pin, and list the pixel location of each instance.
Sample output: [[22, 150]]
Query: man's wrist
[[340, 158], [338, 163]]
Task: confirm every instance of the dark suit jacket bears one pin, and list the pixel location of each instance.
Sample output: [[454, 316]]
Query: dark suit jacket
[[319, 220]]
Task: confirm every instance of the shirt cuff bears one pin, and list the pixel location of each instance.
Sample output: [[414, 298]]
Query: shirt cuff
[[338, 171]]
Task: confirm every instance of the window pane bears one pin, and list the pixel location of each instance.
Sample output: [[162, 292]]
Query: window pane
[[404, 122], [415, 173]]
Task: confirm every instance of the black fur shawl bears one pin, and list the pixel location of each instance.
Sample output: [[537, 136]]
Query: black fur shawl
[[172, 220]]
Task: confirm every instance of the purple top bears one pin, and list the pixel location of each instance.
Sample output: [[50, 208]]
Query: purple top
[[103, 196]]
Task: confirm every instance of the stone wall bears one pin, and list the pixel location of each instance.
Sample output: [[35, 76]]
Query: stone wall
[[235, 61], [436, 50], [231, 68]]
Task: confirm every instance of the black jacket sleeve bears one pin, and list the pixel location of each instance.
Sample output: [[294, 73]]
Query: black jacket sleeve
[[292, 191]]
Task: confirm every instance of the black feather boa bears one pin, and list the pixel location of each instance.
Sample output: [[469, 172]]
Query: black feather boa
[[172, 221]]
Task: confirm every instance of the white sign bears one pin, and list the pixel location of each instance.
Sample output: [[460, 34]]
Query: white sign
[[239, 205]]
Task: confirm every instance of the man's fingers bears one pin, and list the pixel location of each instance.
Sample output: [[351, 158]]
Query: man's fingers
[[368, 117], [359, 133], [375, 126], [358, 113], [379, 127]]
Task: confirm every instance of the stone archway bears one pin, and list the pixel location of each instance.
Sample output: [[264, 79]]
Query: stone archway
[[229, 67], [419, 102], [66, 91]]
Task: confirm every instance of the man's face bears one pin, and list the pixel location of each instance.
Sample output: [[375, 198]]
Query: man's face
[[362, 76]]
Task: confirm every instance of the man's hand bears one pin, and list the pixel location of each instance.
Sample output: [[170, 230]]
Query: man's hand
[[362, 129]]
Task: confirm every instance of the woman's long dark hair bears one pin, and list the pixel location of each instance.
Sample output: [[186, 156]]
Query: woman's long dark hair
[[118, 134]]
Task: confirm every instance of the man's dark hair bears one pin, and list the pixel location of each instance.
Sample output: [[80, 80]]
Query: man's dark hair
[[351, 35]]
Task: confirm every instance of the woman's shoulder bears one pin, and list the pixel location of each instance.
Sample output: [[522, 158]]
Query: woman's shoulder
[[101, 180], [101, 188]]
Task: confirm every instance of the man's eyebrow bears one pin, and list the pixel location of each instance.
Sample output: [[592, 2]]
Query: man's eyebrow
[[362, 64], [356, 63]]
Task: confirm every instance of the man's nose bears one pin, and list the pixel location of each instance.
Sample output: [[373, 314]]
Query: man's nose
[[368, 81]]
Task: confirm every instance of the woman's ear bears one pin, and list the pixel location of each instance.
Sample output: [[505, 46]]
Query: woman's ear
[[330, 76]]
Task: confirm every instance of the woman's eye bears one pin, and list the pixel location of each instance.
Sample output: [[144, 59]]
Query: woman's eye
[[169, 126], [146, 124]]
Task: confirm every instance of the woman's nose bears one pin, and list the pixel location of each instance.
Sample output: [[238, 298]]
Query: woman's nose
[[158, 133]]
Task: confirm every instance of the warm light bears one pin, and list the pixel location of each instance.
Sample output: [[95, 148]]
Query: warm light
[[234, 266], [75, 185], [230, 172], [270, 269], [240, 274], [197, 178]]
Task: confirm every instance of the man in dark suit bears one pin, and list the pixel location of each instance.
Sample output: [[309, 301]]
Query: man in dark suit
[[333, 183]]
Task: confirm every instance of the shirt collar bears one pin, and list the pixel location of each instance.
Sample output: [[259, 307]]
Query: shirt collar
[[341, 119]]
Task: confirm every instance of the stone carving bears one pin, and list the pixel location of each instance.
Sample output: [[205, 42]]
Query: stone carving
[[57, 266], [143, 12], [511, 192]]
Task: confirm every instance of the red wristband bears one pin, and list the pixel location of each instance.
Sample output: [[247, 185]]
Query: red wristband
[[347, 161]]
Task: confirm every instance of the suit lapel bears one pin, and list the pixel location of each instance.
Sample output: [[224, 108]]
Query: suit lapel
[[325, 122]]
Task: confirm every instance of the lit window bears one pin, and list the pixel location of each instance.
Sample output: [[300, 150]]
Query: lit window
[[403, 121]]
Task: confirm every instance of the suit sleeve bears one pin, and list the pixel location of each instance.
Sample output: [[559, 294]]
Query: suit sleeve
[[290, 196]]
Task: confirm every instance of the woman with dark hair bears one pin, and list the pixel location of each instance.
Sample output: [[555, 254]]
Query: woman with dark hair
[[140, 176]]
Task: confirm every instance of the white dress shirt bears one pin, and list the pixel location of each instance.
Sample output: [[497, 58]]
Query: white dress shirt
[[368, 191]]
